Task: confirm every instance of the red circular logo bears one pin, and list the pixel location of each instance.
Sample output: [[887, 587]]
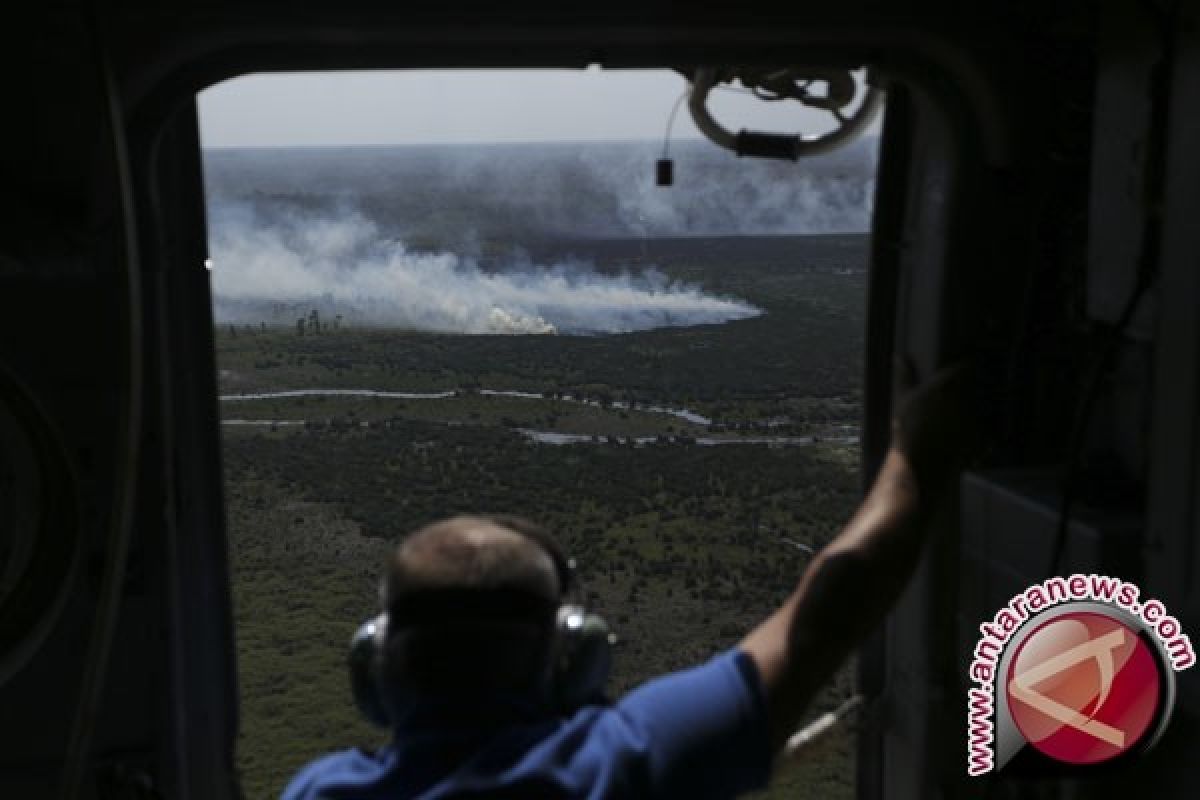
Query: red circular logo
[[1083, 688]]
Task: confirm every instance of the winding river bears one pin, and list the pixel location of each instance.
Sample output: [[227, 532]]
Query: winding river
[[681, 413], [554, 437], [545, 437]]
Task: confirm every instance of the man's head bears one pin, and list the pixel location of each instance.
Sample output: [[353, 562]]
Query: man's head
[[471, 604]]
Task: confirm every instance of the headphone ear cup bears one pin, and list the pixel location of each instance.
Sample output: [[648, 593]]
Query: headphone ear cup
[[583, 659], [365, 661]]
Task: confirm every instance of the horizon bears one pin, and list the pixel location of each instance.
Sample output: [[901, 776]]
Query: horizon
[[509, 143]]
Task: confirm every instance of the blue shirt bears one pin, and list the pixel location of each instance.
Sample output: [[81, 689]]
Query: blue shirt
[[699, 733]]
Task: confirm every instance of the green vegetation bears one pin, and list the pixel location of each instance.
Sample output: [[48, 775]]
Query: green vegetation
[[682, 546]]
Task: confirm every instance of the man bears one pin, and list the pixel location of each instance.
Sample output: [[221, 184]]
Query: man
[[468, 695]]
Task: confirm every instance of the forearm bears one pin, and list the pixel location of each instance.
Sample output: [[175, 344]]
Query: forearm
[[887, 523], [852, 583], [844, 594]]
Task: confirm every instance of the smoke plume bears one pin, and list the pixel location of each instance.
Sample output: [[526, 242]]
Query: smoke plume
[[409, 236], [524, 193], [275, 271]]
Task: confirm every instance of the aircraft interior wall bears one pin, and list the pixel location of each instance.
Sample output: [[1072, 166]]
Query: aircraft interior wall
[[1039, 169]]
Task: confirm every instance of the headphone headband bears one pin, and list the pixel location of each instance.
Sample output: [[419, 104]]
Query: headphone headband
[[580, 648]]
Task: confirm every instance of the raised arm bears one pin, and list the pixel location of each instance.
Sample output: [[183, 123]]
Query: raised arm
[[851, 584]]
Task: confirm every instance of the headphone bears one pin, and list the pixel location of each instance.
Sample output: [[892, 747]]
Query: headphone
[[580, 649]]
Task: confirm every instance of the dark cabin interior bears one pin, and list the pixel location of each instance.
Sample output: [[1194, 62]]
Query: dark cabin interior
[[1035, 209]]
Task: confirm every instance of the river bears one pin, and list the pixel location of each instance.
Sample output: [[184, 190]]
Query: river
[[681, 413], [548, 437]]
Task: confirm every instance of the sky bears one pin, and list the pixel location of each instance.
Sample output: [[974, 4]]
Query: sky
[[468, 106]]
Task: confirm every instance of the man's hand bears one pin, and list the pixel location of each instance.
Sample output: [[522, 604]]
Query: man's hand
[[932, 423], [853, 582]]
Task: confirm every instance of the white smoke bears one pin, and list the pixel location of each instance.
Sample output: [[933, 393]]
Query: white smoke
[[274, 271], [528, 192]]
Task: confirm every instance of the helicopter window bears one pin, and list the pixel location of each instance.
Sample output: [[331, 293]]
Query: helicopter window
[[441, 292]]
